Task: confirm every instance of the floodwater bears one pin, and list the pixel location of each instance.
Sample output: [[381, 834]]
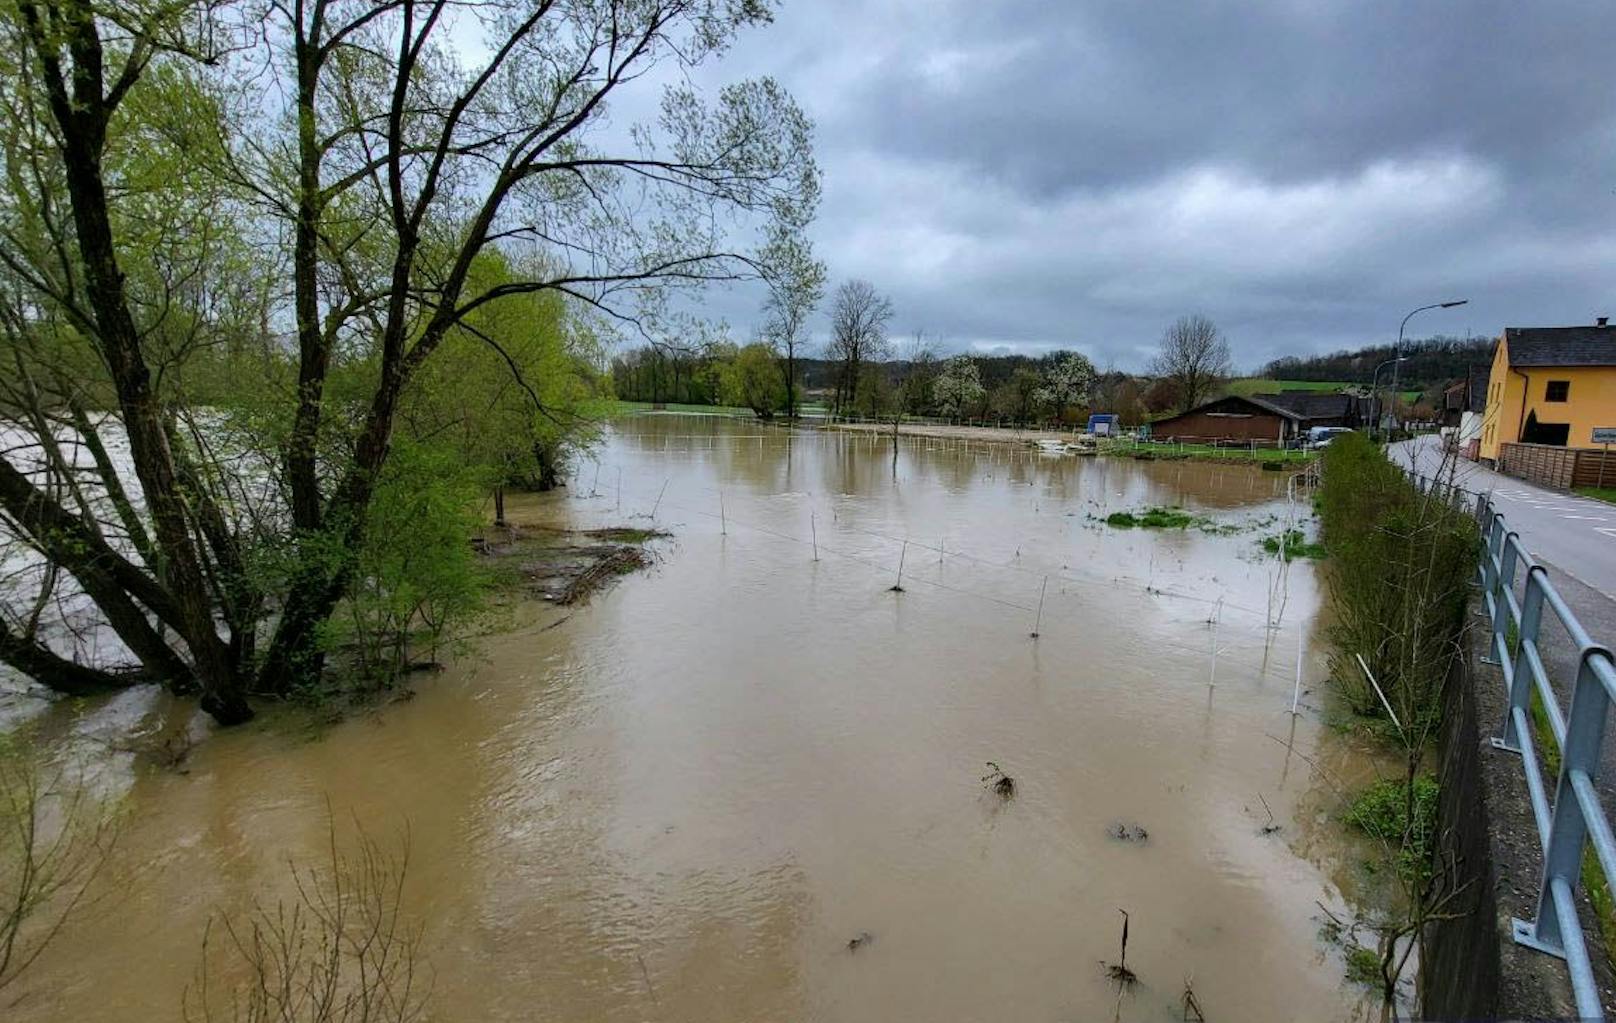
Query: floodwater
[[681, 801]]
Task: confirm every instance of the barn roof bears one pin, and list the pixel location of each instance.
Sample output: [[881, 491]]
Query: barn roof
[[1310, 404], [1257, 402]]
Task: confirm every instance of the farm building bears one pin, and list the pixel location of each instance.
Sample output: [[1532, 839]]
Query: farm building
[[1272, 419]]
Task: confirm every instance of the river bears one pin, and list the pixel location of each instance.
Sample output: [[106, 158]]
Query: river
[[684, 799]]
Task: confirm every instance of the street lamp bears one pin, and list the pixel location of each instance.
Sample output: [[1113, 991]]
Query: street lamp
[[1374, 389], [1397, 365]]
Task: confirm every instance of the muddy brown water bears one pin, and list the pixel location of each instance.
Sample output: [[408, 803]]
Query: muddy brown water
[[684, 800]]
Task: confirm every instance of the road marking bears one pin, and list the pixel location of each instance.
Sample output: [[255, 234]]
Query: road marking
[[1590, 518], [1607, 530]]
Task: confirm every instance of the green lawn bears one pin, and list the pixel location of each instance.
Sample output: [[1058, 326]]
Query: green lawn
[[625, 408], [1205, 452], [1606, 494]]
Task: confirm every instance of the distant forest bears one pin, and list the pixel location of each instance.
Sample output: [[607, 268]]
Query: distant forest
[[1430, 362], [1006, 385]]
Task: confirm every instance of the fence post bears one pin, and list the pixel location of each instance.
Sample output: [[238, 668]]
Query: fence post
[[1520, 680]]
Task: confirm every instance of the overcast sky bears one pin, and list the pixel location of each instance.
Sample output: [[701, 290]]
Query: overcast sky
[[1033, 174]]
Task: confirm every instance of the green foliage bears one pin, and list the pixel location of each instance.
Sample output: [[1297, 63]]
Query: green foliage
[[515, 391], [1383, 812], [1403, 562], [1363, 966], [416, 580], [751, 379]]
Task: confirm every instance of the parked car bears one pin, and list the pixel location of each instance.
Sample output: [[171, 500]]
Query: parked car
[[1321, 436]]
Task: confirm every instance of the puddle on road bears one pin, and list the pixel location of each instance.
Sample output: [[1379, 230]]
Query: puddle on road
[[688, 800]]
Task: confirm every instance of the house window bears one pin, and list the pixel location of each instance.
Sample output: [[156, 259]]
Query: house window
[[1557, 390]]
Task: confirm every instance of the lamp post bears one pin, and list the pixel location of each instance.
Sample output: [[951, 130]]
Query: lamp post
[[1398, 363], [1374, 388]]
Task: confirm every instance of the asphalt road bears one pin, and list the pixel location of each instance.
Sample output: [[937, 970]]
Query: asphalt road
[[1573, 535]]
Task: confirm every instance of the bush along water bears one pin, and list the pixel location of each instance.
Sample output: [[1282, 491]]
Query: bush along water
[[1401, 563]]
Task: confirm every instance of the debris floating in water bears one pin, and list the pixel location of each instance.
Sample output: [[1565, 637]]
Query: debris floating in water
[[1002, 784], [1118, 971], [1272, 826], [859, 940], [1124, 831]]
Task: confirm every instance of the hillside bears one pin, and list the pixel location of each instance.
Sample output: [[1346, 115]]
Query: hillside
[[1430, 362]]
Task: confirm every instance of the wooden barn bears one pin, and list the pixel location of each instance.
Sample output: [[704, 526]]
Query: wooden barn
[[1268, 419]]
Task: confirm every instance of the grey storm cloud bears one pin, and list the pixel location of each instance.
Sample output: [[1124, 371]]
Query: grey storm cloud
[[1031, 175]]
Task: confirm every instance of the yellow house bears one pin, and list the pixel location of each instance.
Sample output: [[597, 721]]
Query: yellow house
[[1550, 385]]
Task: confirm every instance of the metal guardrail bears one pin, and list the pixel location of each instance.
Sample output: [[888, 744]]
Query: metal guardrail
[[1575, 816]]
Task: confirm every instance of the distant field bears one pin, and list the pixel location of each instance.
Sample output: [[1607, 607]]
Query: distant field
[[1262, 385], [1259, 385], [624, 408]]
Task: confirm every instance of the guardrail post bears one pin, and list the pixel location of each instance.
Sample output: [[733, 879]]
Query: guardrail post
[[1503, 572], [1520, 680], [1568, 829]]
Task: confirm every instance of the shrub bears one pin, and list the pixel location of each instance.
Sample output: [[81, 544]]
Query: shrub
[[1382, 812], [416, 578], [1403, 562]]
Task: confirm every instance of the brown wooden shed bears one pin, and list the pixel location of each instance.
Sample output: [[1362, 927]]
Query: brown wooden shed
[[1235, 418]]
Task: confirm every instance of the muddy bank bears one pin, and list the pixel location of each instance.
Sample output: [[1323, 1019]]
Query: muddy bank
[[564, 566]]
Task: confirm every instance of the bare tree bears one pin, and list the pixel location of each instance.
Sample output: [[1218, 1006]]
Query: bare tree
[[54, 839], [1194, 358], [911, 383], [858, 324], [341, 951]]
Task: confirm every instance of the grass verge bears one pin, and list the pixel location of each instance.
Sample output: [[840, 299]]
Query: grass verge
[[1606, 494], [1164, 452]]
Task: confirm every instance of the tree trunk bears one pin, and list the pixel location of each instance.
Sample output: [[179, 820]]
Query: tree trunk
[[82, 119], [499, 505], [57, 673], [549, 468]]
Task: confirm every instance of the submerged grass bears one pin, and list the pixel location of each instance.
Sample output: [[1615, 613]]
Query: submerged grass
[[1156, 517], [626, 534], [1295, 544]]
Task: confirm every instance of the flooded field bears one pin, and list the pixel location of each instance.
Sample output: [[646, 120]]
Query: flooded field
[[685, 799]]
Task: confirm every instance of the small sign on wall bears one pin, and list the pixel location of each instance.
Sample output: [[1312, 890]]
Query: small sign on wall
[[1605, 435]]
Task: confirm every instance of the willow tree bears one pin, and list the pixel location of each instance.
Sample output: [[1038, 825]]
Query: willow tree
[[372, 160]]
